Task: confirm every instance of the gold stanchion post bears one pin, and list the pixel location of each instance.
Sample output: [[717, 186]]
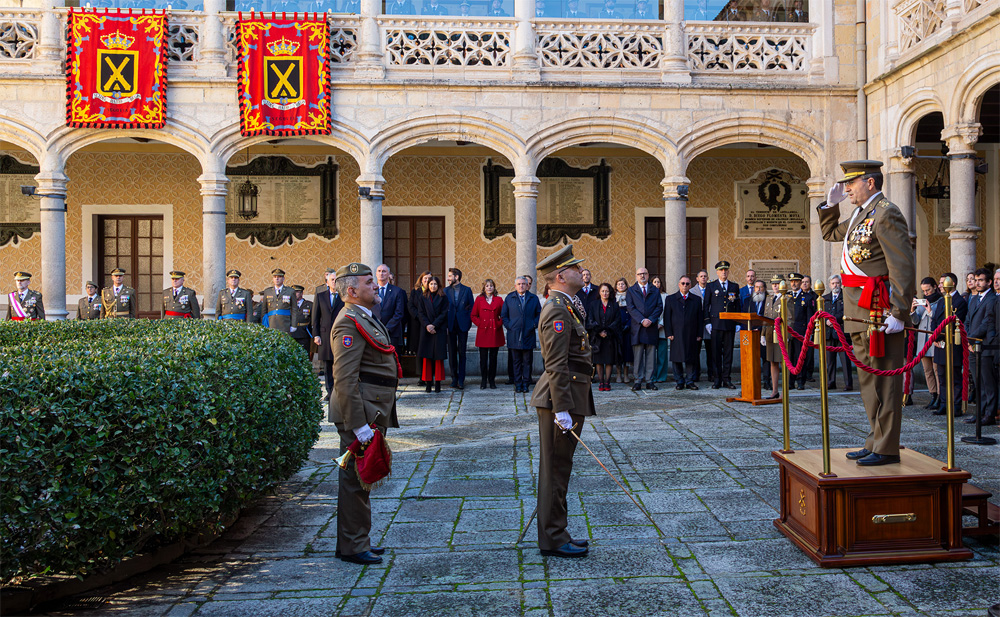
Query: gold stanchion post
[[786, 426], [824, 404], [949, 336]]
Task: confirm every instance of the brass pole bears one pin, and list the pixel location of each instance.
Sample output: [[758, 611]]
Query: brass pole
[[786, 425], [824, 404], [949, 336]]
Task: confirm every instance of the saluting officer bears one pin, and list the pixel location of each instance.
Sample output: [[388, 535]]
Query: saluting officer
[[562, 398], [179, 301], [364, 393], [277, 304], [89, 307], [119, 301], [722, 296], [302, 333], [801, 307], [234, 303], [24, 304]]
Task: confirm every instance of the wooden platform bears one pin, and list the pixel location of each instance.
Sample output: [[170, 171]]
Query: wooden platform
[[910, 512]]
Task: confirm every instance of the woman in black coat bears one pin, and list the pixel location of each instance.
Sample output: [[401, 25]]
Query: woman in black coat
[[603, 324], [413, 328], [433, 311]]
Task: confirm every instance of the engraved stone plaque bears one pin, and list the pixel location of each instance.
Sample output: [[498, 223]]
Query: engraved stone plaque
[[561, 201], [283, 200], [772, 204], [766, 268], [15, 208]]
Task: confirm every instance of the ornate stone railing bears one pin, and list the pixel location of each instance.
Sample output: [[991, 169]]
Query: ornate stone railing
[[343, 38], [182, 35], [971, 5], [410, 41], [918, 20], [18, 33], [588, 45], [748, 48]]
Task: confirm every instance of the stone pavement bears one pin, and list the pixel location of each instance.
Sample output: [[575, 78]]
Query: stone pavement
[[463, 487]]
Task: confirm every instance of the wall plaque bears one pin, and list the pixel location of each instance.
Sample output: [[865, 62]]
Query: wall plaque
[[772, 204], [294, 201], [571, 201], [766, 268], [20, 215]]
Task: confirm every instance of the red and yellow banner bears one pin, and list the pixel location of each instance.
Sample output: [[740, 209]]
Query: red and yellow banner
[[284, 75], [116, 69]]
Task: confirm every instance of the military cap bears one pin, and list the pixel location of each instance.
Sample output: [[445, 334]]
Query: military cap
[[563, 258], [22, 276], [722, 265], [176, 274], [777, 278], [353, 269], [234, 272], [856, 169], [298, 288], [118, 272], [277, 272], [90, 284], [795, 276]]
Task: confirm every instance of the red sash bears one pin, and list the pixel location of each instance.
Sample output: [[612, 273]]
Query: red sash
[[176, 314], [875, 299]]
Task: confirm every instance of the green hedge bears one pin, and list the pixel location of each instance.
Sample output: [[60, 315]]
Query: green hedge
[[118, 435]]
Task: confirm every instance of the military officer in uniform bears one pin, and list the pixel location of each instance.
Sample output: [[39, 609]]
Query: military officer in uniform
[[879, 277], [801, 307], [562, 397], [722, 296], [119, 301], [364, 393], [24, 304], [277, 305], [302, 333], [234, 303], [89, 307], [179, 302]]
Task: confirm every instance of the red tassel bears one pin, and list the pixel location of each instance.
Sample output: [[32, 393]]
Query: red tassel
[[876, 344]]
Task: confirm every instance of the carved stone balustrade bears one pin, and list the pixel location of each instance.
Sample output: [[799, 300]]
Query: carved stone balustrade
[[19, 33], [774, 48]]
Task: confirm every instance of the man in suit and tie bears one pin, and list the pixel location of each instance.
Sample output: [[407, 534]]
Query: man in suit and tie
[[326, 307], [644, 306], [573, 10], [460, 302], [391, 309], [747, 290], [89, 307], [588, 293], [722, 296], [960, 308], [756, 303], [682, 324], [983, 325], [835, 306], [699, 288], [520, 318], [801, 307]]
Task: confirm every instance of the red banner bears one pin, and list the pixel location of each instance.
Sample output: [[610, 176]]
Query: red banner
[[284, 75], [116, 69]]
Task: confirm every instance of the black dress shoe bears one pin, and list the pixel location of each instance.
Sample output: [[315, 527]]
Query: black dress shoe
[[482, 386], [460, 386], [376, 550], [874, 459], [364, 558], [811, 379], [566, 550], [679, 386], [730, 385], [848, 388], [716, 386], [801, 386], [774, 396], [970, 420], [580, 543], [691, 386], [651, 386], [636, 387], [989, 421], [863, 452], [493, 386], [940, 411], [933, 403]]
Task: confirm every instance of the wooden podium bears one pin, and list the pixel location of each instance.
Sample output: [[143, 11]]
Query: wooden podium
[[749, 359], [910, 512]]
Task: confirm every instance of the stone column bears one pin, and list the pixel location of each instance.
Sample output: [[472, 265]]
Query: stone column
[[902, 190], [674, 66], [964, 228], [371, 193], [819, 269], [525, 55], [526, 225], [51, 41], [369, 57], [824, 66], [213, 237], [212, 51], [675, 216], [52, 190]]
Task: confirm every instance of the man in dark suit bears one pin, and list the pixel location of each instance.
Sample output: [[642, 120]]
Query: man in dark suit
[[699, 288], [391, 311], [756, 303], [801, 307], [588, 293], [642, 301], [326, 307], [682, 324], [723, 296], [811, 295], [835, 306], [459, 321], [961, 308], [983, 325], [519, 314], [747, 290]]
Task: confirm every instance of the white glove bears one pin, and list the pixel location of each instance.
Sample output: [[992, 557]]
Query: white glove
[[763, 340], [737, 329], [364, 433], [564, 420], [892, 325], [708, 328], [835, 195], [291, 329]]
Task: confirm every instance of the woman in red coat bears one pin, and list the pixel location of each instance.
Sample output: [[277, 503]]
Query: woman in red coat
[[489, 331]]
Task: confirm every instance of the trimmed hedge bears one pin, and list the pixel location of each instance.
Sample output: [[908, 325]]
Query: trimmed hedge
[[119, 435]]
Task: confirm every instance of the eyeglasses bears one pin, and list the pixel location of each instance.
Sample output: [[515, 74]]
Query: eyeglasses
[[685, 283]]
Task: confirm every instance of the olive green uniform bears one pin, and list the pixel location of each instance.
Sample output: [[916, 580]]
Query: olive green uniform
[[278, 300], [31, 303], [184, 301], [238, 302], [88, 308], [124, 306], [564, 386]]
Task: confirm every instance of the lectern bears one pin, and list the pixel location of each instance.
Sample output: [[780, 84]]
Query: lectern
[[749, 358]]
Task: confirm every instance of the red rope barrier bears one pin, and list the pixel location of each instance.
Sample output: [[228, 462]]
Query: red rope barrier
[[911, 343]]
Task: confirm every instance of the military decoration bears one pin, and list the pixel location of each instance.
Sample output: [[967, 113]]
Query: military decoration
[[348, 341], [859, 240], [284, 75], [116, 69], [558, 325]]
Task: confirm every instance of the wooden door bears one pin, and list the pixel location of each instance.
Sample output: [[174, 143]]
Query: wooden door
[[136, 244], [697, 245], [696, 250], [412, 244]]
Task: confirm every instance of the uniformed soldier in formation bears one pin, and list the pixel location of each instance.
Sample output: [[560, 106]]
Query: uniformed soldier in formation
[[879, 277], [179, 301], [303, 324], [364, 394], [119, 301], [234, 303], [801, 307], [563, 398], [277, 304], [89, 307], [722, 296], [24, 304]]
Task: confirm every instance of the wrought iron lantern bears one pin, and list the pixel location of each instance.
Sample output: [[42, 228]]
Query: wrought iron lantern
[[247, 193], [940, 187]]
